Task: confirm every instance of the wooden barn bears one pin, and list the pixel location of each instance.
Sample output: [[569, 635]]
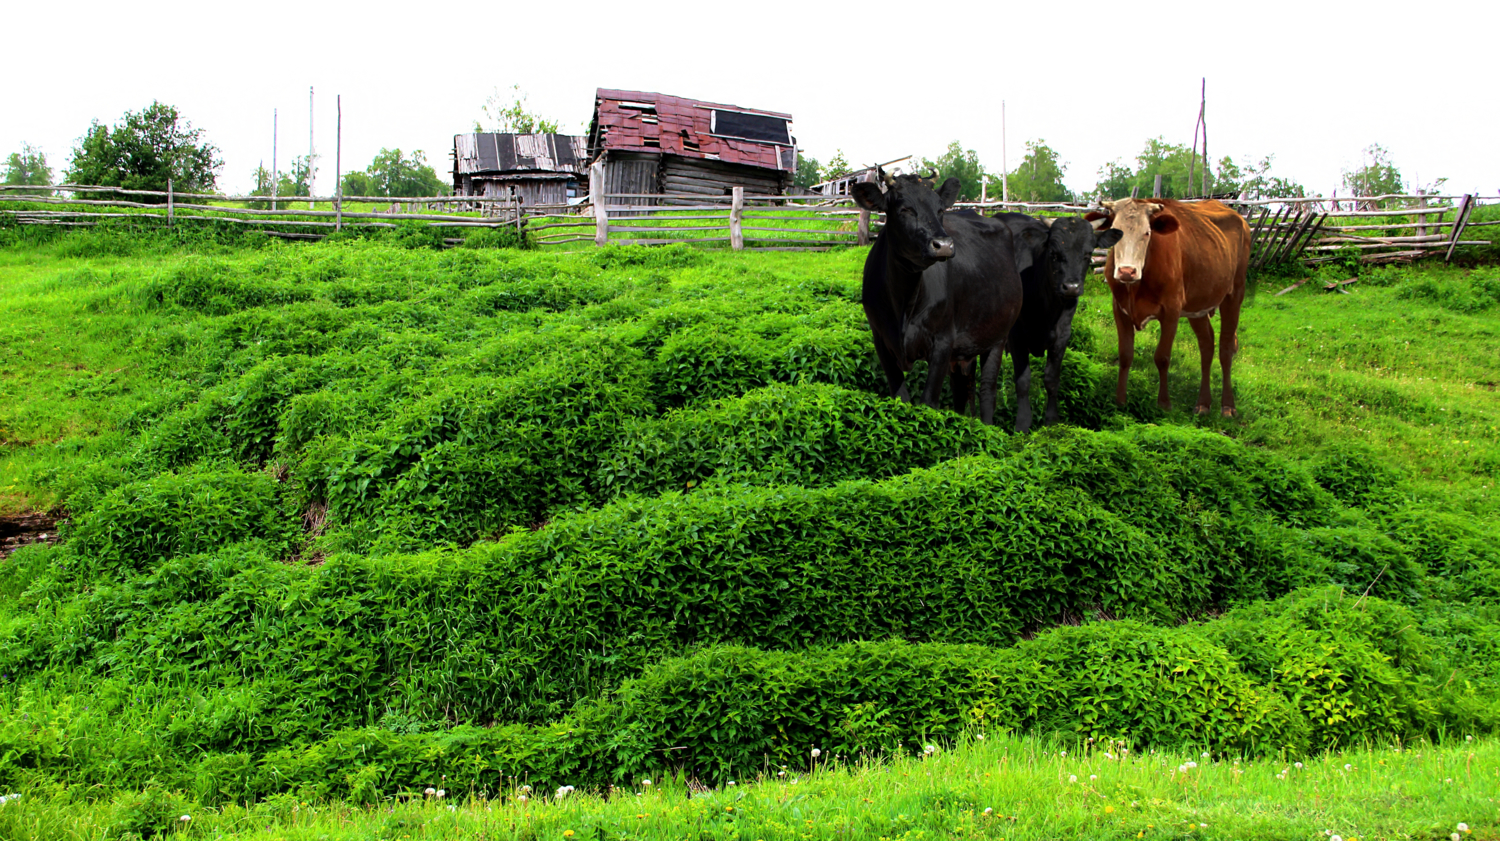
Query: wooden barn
[[654, 143], [543, 168]]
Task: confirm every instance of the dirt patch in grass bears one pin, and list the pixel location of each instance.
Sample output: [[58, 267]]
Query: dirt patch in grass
[[17, 530]]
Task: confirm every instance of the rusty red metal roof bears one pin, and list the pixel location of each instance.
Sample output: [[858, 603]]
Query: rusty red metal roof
[[643, 121]]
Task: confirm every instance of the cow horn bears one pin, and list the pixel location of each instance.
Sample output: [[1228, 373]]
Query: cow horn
[[1107, 205], [885, 178], [1154, 208]]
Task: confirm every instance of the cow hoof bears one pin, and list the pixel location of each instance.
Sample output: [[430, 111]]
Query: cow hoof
[[1201, 409], [1229, 411]]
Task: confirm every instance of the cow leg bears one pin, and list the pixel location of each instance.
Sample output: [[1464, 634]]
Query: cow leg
[[895, 378], [1229, 345], [1052, 378], [963, 386], [989, 375], [1204, 330], [1163, 358], [1022, 361], [1125, 333], [937, 370]]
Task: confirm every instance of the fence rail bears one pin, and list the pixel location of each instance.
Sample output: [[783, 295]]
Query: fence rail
[[1380, 228]]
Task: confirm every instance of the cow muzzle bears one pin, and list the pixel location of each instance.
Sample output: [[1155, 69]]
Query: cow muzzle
[[940, 248], [1127, 275]]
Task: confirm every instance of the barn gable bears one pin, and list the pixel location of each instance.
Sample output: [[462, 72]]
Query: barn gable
[[541, 167], [654, 142]]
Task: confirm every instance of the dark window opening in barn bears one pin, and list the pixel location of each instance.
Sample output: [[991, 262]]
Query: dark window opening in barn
[[643, 107], [751, 127], [652, 142], [688, 142]]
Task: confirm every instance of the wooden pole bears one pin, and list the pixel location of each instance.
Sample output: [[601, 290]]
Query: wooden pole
[[273, 158], [1004, 170], [310, 174], [169, 202], [863, 228], [1461, 218], [1203, 120], [736, 219], [1156, 187], [596, 195], [338, 166]]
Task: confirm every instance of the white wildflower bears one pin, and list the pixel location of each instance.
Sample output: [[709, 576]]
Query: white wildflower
[[1335, 838], [431, 791], [1093, 776], [1191, 764], [1463, 827], [1455, 837], [1072, 778], [185, 818], [989, 811], [1348, 767], [1297, 765], [441, 794], [816, 753], [645, 782], [1182, 769], [1205, 754]]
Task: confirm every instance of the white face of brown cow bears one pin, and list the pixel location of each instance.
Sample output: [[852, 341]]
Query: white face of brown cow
[[1137, 221]]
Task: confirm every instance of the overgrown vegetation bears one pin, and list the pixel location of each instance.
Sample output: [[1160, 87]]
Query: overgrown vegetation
[[349, 517]]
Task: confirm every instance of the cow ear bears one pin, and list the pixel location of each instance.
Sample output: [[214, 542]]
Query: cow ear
[[1098, 220], [948, 193], [1029, 242], [1107, 238], [868, 196], [1163, 223]]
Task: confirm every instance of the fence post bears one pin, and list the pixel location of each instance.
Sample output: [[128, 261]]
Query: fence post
[[864, 219], [169, 202], [1156, 187], [596, 196], [736, 218], [1460, 219], [1421, 218]]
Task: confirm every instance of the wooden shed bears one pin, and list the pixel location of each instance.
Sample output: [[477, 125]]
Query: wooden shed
[[543, 168], [655, 143]]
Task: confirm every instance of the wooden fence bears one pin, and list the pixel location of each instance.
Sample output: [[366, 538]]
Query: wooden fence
[[1378, 228]]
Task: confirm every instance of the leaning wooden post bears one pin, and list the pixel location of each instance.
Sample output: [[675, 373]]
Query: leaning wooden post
[[737, 218], [169, 202], [864, 219], [596, 195], [338, 167]]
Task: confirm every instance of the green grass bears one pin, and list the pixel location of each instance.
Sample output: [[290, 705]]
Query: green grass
[[487, 428], [1001, 787]]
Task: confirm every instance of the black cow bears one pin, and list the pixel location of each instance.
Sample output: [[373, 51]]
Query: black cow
[[941, 288], [1061, 250]]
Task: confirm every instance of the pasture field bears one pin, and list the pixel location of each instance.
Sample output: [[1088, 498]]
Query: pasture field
[[350, 519]]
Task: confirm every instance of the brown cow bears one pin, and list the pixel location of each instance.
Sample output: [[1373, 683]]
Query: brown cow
[[1176, 260]]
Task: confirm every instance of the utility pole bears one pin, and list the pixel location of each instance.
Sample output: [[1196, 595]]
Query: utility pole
[[1004, 169], [273, 158], [310, 158], [338, 166]]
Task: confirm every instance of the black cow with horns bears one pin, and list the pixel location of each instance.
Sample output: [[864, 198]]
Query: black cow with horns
[[941, 287], [1062, 250]]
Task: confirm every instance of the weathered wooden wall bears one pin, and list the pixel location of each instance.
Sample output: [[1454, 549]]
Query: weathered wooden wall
[[699, 177]]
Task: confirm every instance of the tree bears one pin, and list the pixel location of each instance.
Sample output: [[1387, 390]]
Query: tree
[[808, 171], [959, 163], [288, 183], [144, 150], [1376, 174], [838, 167], [513, 118], [1172, 161], [28, 167], [1037, 179], [394, 175], [1255, 181]]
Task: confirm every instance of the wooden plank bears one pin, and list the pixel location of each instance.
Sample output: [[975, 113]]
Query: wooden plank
[[664, 229], [1465, 207], [601, 211], [737, 219]]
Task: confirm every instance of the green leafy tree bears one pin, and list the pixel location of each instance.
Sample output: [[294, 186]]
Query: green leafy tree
[[1255, 181], [808, 171], [956, 162], [293, 182], [506, 114], [397, 176], [1375, 176], [1037, 179], [838, 167], [1181, 175], [28, 168], [144, 150]]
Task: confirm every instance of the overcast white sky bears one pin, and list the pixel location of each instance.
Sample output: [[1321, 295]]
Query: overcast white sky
[[1311, 82]]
